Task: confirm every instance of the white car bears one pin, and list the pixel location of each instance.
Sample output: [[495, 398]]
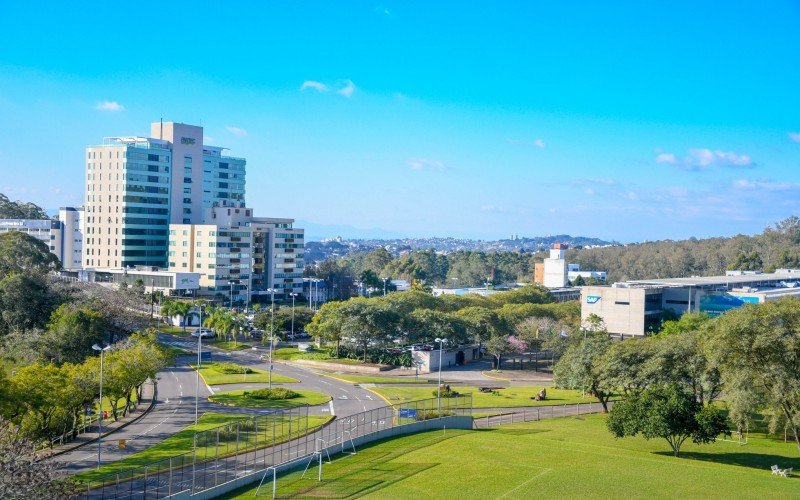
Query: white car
[[204, 333]]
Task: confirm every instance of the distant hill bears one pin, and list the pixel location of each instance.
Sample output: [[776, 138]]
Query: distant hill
[[322, 250]]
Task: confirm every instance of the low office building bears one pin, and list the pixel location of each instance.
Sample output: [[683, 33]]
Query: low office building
[[63, 237], [428, 361], [154, 279], [633, 308], [574, 272]]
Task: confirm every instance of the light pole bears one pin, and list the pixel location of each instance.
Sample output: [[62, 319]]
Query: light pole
[[199, 348], [293, 295], [231, 303], [439, 386], [454, 282], [100, 411], [271, 331], [384, 286]]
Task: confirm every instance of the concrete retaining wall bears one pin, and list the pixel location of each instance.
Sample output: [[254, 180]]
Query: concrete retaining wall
[[454, 422]]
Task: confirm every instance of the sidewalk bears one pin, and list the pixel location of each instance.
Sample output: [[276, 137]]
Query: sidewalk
[[109, 427]]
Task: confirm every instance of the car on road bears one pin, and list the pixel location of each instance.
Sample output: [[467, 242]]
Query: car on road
[[204, 333]]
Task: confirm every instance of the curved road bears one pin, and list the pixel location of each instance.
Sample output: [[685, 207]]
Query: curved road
[[174, 408]]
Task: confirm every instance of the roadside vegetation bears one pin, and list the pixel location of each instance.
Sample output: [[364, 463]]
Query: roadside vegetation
[[219, 373], [509, 397], [264, 398]]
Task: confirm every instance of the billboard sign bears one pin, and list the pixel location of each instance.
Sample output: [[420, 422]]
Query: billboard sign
[[592, 299]]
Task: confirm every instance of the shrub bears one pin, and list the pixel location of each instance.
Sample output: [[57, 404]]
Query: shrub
[[272, 394], [230, 368], [447, 392], [429, 414]]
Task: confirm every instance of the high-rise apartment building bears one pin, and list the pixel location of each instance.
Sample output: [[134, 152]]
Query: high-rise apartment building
[[137, 186], [239, 256]]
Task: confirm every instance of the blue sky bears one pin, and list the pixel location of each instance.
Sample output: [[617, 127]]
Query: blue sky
[[621, 120]]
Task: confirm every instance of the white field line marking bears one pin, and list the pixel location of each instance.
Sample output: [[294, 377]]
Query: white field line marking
[[526, 482], [331, 405]]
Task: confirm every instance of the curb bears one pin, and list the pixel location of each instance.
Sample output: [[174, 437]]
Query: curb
[[122, 426], [380, 396], [495, 377]]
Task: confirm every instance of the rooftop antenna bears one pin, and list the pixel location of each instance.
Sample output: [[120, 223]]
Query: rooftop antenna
[[161, 131]]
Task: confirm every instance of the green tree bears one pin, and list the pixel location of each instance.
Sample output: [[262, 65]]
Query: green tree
[[629, 366], [20, 210], [424, 325], [665, 411], [25, 302], [581, 367], [480, 323], [72, 331], [24, 254], [497, 346], [327, 323], [760, 343], [368, 323]]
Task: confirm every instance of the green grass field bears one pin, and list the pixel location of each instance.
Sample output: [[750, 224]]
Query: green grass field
[[558, 458], [370, 379], [173, 330], [238, 398], [213, 377], [292, 354], [510, 397], [229, 345]]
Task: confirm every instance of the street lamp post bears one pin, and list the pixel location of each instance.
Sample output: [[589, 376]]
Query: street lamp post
[[231, 301], [293, 295], [384, 286], [199, 348], [271, 331], [439, 386], [100, 411]]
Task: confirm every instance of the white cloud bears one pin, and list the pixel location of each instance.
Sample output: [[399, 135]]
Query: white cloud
[[348, 89], [666, 158], [236, 130], [109, 106], [537, 143], [342, 87], [795, 136], [589, 191], [764, 185], [704, 158], [425, 164], [311, 84], [207, 139]]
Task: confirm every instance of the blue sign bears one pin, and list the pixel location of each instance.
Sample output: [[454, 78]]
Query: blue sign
[[407, 413], [592, 299], [205, 355]]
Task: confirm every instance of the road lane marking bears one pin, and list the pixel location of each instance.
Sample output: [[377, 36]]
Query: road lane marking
[[331, 405]]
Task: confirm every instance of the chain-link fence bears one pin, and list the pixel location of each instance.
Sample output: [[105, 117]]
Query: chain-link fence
[[528, 414], [231, 451]]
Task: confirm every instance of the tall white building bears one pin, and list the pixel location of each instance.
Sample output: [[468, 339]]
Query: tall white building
[[136, 186], [555, 268]]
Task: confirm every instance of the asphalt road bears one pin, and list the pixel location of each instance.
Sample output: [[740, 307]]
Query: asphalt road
[[174, 408]]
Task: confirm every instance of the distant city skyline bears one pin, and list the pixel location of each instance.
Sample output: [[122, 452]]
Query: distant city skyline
[[624, 121]]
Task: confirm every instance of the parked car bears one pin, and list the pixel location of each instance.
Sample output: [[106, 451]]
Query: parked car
[[204, 333]]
